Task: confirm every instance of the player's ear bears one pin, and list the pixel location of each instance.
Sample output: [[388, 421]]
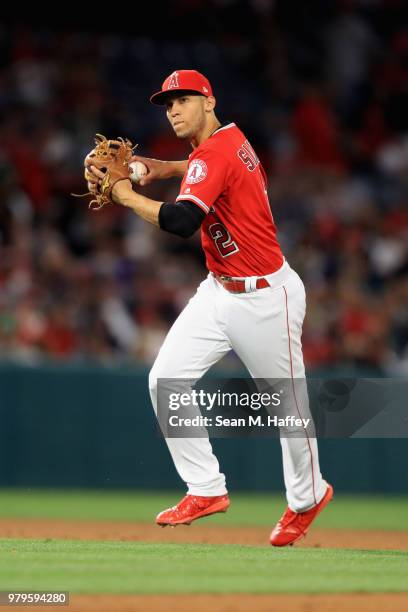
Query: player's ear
[[210, 103]]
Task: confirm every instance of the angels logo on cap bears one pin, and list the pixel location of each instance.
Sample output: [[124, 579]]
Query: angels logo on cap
[[173, 81], [183, 80]]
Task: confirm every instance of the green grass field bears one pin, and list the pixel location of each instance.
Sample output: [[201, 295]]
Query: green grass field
[[345, 512], [123, 567], [143, 567]]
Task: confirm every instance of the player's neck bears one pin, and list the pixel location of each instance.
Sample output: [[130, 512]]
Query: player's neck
[[199, 138]]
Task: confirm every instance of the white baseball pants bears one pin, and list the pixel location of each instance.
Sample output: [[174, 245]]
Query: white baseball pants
[[264, 328]]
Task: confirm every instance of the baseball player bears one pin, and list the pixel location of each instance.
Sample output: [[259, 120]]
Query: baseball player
[[252, 301]]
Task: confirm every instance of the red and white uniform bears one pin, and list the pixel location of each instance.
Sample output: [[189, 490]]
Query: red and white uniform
[[262, 325], [226, 180]]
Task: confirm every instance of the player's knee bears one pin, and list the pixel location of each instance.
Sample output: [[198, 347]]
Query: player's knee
[[153, 382], [153, 388]]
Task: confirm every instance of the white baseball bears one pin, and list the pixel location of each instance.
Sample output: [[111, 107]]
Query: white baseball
[[139, 170]]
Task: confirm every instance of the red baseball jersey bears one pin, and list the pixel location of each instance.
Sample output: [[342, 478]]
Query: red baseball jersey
[[226, 180]]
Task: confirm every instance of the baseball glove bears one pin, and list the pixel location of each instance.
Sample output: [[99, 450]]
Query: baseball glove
[[111, 157]]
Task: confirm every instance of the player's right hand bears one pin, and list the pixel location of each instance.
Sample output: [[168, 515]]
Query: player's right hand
[[155, 169]]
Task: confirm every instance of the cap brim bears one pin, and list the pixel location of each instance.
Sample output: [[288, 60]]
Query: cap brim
[[160, 97]]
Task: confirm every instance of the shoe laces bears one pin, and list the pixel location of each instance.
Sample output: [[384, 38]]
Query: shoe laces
[[287, 518], [301, 519], [188, 503]]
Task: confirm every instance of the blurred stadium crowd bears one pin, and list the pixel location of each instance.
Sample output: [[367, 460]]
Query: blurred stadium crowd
[[321, 90]]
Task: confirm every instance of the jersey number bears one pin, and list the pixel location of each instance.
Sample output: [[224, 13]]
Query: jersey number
[[223, 241]]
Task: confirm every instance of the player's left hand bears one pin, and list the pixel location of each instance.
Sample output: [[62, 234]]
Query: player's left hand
[[94, 178], [105, 166]]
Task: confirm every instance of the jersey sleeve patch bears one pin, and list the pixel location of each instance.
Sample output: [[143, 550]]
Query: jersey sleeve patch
[[197, 171]]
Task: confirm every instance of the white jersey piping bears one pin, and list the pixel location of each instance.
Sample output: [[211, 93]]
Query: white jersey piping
[[188, 196]]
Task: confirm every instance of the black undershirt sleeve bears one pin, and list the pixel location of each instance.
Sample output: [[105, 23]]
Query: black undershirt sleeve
[[181, 218]]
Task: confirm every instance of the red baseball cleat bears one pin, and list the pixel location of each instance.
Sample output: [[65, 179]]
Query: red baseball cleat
[[294, 525], [191, 508]]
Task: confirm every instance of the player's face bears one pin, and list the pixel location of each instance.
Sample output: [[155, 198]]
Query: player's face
[[186, 114]]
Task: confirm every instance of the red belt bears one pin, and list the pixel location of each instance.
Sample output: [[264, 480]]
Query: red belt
[[238, 286]]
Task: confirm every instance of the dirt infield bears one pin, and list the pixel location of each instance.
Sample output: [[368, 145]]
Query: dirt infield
[[350, 602], [248, 603], [199, 533], [202, 533]]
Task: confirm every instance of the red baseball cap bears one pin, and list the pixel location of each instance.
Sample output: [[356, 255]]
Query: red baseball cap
[[183, 80]]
